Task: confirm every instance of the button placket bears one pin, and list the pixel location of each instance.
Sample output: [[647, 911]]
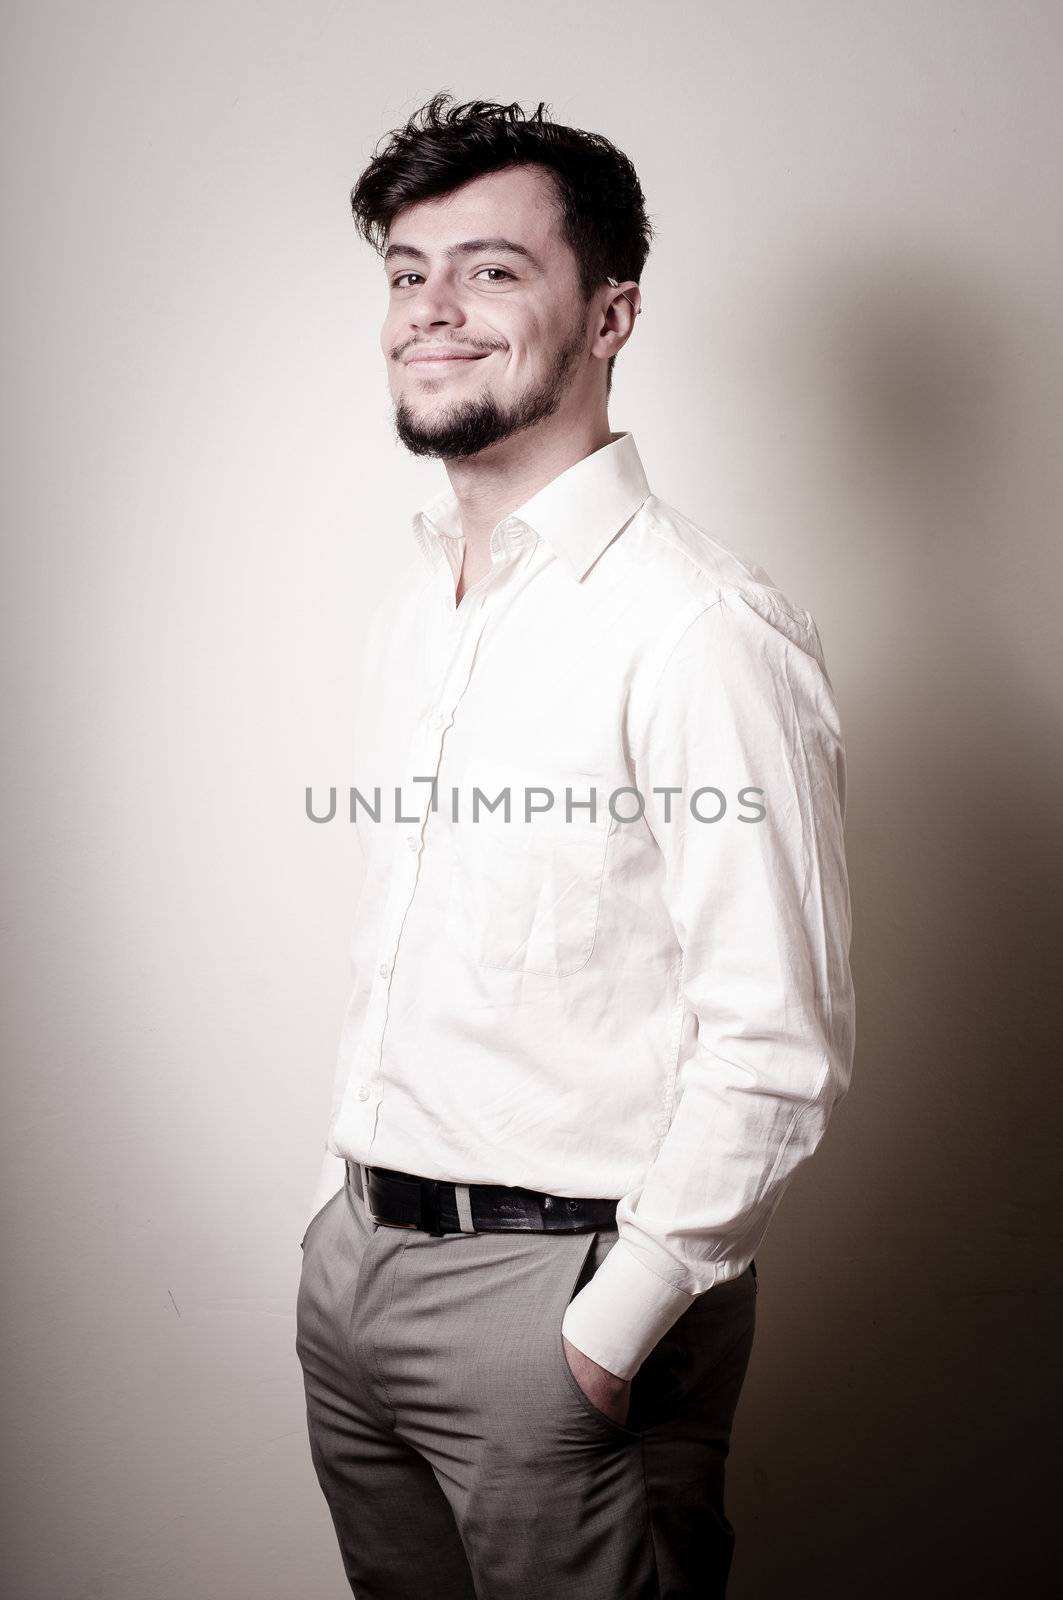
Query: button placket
[[449, 656]]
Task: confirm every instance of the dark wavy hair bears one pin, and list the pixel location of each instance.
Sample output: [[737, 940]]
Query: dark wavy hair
[[602, 207]]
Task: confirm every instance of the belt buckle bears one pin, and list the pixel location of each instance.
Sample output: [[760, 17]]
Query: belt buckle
[[430, 1207]]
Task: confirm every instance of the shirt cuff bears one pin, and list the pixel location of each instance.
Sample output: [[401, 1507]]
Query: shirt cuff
[[618, 1317]]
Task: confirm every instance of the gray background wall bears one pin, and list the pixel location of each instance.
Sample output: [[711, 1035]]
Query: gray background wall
[[849, 368]]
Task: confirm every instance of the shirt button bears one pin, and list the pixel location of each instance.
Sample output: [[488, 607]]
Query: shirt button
[[438, 719], [383, 969], [363, 1091], [412, 841]]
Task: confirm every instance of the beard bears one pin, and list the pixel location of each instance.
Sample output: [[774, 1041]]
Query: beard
[[469, 426]]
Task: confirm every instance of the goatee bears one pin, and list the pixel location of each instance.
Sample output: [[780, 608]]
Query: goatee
[[469, 426]]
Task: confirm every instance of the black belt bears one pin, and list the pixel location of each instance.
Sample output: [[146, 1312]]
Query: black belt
[[405, 1200]]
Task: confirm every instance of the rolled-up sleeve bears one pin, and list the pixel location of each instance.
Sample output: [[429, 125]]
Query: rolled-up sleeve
[[742, 708]]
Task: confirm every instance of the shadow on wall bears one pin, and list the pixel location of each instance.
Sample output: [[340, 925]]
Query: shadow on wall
[[895, 1436]]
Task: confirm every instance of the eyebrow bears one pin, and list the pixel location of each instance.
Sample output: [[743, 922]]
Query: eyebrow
[[467, 247]]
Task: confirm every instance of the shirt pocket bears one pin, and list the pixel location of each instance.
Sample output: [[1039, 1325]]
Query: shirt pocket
[[524, 896]]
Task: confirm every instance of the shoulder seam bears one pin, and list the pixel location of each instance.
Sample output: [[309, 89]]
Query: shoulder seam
[[660, 532], [772, 594]]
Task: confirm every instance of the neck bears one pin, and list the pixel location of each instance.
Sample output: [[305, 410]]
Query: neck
[[492, 484]]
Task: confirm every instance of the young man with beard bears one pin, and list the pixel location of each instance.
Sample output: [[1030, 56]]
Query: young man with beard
[[589, 1043]]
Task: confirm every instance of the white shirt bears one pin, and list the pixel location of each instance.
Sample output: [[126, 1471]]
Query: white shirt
[[661, 1010]]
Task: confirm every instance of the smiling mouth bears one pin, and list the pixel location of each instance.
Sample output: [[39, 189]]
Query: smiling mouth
[[443, 360]]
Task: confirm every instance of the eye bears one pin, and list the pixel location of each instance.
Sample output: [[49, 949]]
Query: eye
[[396, 282]]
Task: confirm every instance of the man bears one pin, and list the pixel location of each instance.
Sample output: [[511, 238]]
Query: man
[[588, 1044]]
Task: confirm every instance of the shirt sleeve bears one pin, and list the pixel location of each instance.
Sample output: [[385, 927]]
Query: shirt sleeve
[[762, 916]]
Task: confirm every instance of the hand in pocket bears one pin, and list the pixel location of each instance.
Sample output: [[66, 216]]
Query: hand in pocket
[[610, 1394]]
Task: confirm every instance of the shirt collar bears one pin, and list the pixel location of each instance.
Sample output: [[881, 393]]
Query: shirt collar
[[577, 513]]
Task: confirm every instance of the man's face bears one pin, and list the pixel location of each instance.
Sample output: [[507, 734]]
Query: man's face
[[512, 328]]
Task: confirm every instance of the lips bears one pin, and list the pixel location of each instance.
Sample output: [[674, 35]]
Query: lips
[[433, 356]]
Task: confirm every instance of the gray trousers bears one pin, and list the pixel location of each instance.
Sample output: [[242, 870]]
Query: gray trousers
[[459, 1457]]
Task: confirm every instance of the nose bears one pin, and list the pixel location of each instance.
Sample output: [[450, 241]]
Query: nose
[[435, 305]]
